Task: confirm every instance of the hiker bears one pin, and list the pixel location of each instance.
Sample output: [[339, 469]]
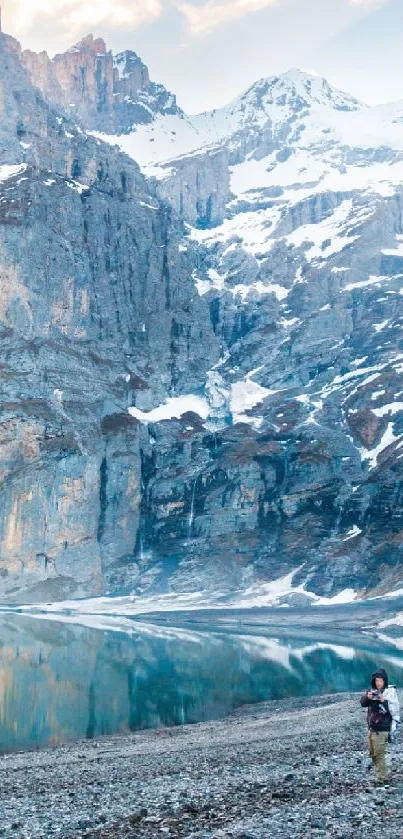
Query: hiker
[[383, 717]]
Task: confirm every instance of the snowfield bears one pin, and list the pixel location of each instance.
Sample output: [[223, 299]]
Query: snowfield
[[273, 593]]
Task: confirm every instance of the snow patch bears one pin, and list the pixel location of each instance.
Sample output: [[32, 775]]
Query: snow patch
[[373, 280], [326, 237], [174, 408], [149, 206], [392, 408], [244, 396], [372, 455], [396, 621], [253, 230], [77, 187], [263, 594], [355, 531], [394, 251], [380, 326], [348, 595], [7, 171]]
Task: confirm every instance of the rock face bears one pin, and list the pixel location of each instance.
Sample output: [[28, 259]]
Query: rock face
[[198, 187], [247, 297], [303, 278], [97, 305], [105, 93]]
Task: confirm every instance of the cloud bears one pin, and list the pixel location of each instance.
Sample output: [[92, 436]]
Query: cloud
[[56, 24], [369, 2], [75, 15], [204, 18]]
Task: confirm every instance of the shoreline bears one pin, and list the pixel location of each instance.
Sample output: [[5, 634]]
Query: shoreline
[[360, 616], [280, 768]]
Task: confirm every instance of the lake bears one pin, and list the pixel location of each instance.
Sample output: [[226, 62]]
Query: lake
[[61, 681]]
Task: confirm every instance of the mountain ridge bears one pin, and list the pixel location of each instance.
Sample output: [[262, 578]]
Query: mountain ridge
[[90, 84]]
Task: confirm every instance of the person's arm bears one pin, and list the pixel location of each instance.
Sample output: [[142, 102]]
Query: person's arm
[[366, 699]]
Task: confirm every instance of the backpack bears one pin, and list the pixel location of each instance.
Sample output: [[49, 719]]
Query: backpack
[[394, 707]]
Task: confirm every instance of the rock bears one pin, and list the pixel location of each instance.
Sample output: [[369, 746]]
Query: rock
[[197, 187], [191, 808], [105, 92]]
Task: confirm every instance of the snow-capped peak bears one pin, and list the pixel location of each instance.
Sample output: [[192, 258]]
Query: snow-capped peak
[[297, 110], [296, 88]]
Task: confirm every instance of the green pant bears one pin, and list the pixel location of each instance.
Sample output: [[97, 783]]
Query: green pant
[[377, 750]]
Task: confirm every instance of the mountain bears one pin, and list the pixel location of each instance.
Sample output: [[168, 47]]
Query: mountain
[[102, 90], [201, 355], [274, 107]]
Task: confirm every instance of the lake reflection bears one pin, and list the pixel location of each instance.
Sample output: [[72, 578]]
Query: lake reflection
[[61, 681]]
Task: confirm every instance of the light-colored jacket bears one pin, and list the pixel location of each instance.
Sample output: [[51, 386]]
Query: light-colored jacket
[[390, 694]]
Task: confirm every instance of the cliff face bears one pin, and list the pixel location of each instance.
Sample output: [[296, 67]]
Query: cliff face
[[198, 187], [200, 372], [92, 86], [97, 305]]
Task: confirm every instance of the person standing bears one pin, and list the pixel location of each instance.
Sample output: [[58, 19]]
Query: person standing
[[383, 716]]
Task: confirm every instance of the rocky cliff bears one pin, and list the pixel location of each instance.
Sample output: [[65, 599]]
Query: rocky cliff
[[201, 363], [98, 309], [104, 92]]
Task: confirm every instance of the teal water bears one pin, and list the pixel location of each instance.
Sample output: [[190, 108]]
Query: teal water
[[61, 681]]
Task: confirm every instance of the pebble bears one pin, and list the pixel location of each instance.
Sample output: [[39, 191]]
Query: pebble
[[226, 780]]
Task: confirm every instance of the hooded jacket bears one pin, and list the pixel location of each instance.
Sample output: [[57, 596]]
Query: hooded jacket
[[382, 716]]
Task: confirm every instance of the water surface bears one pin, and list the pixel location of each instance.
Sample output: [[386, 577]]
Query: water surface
[[61, 681]]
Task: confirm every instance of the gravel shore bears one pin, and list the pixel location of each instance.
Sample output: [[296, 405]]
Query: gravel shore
[[279, 769]]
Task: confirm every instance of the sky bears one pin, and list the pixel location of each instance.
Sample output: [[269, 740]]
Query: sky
[[208, 51]]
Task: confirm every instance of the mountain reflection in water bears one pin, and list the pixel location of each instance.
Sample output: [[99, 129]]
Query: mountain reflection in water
[[61, 681]]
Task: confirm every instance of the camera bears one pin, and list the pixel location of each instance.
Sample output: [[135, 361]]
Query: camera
[[375, 694]]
